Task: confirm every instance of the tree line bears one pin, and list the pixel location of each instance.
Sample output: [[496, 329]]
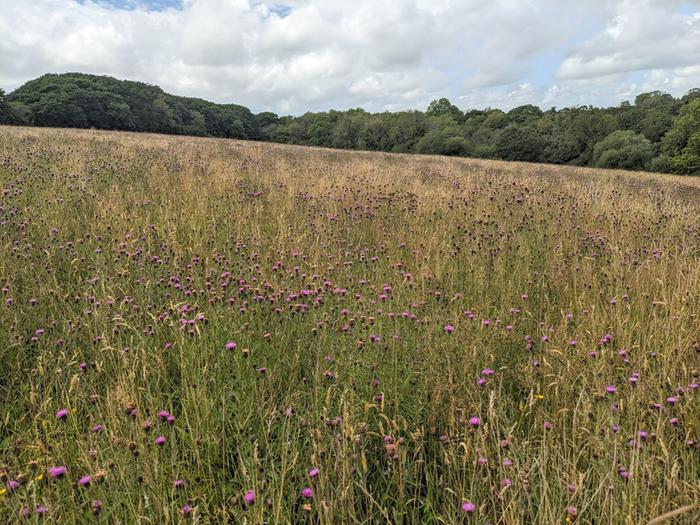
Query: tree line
[[657, 132]]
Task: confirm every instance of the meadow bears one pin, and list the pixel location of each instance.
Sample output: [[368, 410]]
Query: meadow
[[215, 331]]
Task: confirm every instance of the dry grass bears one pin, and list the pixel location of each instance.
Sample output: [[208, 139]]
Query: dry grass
[[338, 275]]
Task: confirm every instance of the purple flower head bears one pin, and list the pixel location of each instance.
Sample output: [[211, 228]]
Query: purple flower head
[[58, 472], [62, 413], [178, 483], [186, 510], [97, 428], [160, 440], [163, 414], [85, 481], [611, 389], [231, 345], [474, 421], [449, 328], [468, 507], [96, 506], [307, 493], [12, 485], [249, 497], [314, 472], [41, 510]]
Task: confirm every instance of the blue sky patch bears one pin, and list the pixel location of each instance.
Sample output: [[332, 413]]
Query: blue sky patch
[[149, 5]]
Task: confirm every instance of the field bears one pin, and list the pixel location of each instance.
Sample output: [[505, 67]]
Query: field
[[217, 331]]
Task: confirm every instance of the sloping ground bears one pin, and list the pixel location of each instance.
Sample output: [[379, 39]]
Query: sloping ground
[[244, 332]]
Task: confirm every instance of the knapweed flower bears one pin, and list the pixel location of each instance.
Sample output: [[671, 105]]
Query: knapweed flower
[[97, 428], [160, 440], [611, 389], [474, 421], [12, 485], [307, 493], [96, 507], [62, 413], [163, 415], [58, 472], [548, 425], [85, 481], [178, 483], [41, 510], [231, 345], [448, 328], [249, 497], [314, 472], [506, 483], [186, 510], [468, 507]]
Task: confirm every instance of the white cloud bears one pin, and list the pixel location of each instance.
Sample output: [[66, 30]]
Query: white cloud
[[388, 54]]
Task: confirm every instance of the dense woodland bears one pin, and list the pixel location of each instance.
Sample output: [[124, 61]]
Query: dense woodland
[[657, 132]]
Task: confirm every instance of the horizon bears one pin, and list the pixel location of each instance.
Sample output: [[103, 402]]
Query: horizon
[[303, 56], [423, 110]]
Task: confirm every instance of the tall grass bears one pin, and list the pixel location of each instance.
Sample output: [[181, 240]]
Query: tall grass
[[426, 332]]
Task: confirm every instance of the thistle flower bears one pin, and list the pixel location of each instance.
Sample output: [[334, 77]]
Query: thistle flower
[[307, 493], [58, 472], [474, 421], [468, 507], [160, 440], [249, 497]]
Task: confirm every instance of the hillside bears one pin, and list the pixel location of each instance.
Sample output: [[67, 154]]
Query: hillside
[[228, 331], [658, 132]]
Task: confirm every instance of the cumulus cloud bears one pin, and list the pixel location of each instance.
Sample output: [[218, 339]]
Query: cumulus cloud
[[290, 56]]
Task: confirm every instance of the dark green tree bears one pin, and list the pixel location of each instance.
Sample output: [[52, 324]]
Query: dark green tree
[[623, 149]]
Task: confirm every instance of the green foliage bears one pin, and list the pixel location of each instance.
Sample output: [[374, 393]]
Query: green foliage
[[444, 107], [623, 149], [682, 142], [520, 143], [566, 136], [88, 101]]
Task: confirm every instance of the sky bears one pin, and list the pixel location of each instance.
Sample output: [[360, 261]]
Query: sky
[[294, 56]]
